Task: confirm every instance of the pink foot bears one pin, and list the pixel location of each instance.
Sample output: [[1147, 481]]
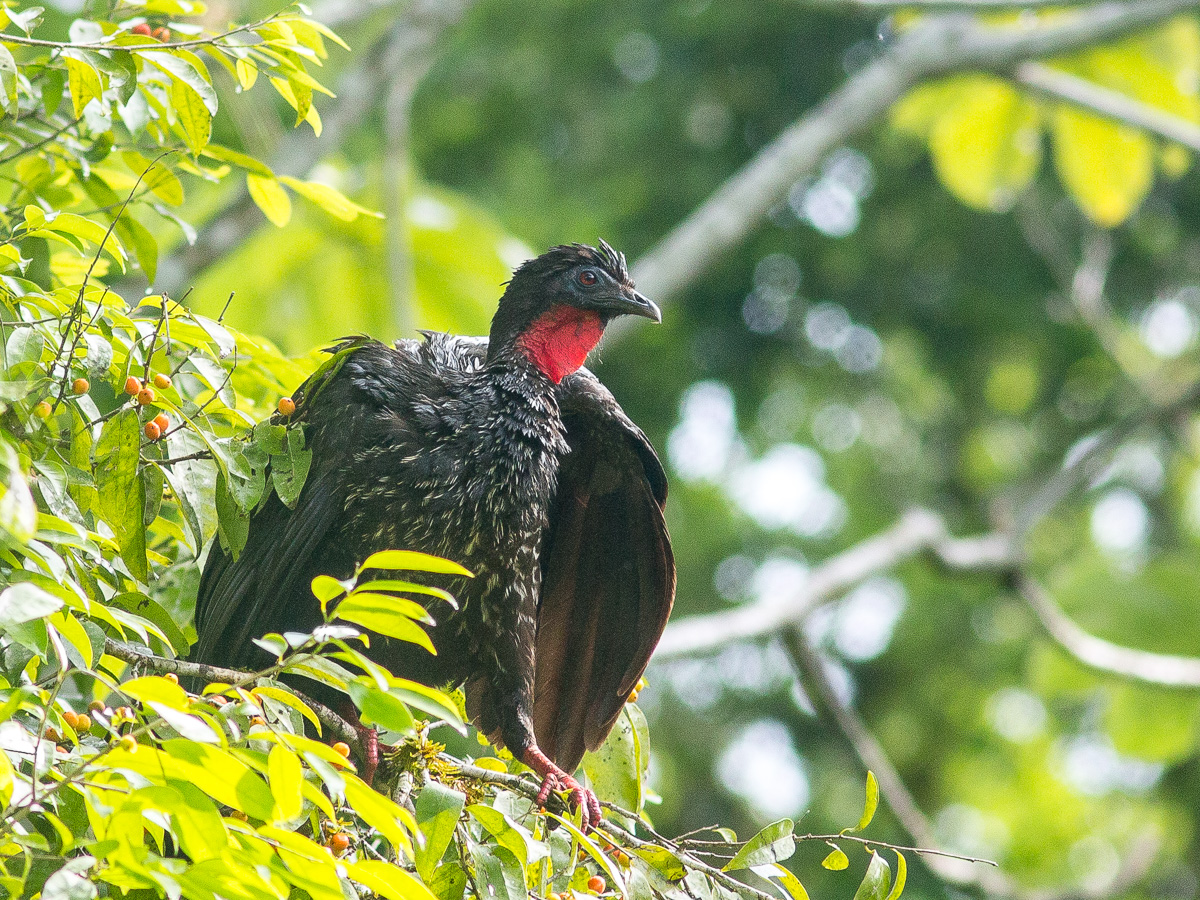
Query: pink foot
[[369, 739], [555, 779]]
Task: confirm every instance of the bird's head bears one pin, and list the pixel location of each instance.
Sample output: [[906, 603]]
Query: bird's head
[[556, 306]]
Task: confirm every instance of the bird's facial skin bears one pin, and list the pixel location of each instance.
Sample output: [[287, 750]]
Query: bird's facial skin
[[591, 287], [559, 340]]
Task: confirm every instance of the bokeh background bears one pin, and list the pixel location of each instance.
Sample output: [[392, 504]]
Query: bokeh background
[[935, 318]]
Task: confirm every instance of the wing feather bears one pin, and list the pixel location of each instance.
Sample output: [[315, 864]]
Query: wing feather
[[608, 574]]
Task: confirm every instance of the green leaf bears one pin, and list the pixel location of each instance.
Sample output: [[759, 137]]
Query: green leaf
[[986, 146], [790, 882], [837, 860], [499, 873], [270, 197], [378, 707], [249, 163], [121, 494], [155, 688], [146, 608], [233, 522], [83, 81], [877, 881], [8, 79], [329, 199], [412, 561], [380, 813], [774, 843], [290, 700], [614, 770], [24, 602], [1107, 168], [901, 876], [193, 116], [428, 700], [508, 834], [289, 470], [387, 880], [438, 808], [383, 618], [284, 775], [186, 69], [870, 805]]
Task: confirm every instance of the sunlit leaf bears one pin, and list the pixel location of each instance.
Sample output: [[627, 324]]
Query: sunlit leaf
[[774, 843]]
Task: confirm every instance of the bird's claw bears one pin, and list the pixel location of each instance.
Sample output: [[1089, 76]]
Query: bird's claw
[[555, 779]]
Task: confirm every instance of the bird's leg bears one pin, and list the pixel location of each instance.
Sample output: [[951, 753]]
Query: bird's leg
[[554, 778], [368, 740]]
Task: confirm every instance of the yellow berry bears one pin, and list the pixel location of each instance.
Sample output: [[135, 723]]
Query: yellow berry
[[162, 381], [43, 410], [342, 749], [172, 677]]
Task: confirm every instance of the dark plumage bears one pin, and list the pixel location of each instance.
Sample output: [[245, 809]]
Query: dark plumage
[[501, 454]]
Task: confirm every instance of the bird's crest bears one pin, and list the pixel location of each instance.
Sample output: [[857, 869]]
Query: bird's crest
[[566, 256]]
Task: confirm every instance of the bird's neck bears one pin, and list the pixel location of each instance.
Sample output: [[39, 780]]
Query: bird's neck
[[558, 341]]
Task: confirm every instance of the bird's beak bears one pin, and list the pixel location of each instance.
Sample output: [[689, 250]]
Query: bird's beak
[[631, 303]]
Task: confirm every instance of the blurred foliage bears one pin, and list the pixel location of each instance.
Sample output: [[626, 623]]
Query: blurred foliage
[[914, 326]]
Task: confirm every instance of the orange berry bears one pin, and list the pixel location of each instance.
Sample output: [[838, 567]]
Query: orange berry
[[51, 734], [342, 749], [43, 410], [132, 386], [152, 431], [140, 28], [163, 421], [71, 718], [80, 386], [171, 676], [146, 396], [339, 843], [257, 720], [162, 381], [161, 34], [287, 406], [597, 885]]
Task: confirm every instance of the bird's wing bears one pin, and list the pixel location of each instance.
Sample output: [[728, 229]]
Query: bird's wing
[[239, 599], [608, 574]]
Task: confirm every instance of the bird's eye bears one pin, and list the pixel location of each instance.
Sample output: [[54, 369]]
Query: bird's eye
[[587, 278]]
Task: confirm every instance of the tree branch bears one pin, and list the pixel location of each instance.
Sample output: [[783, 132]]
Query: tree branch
[[934, 47], [1106, 102], [811, 669], [918, 531], [407, 43], [331, 721], [877, 7], [1103, 656]]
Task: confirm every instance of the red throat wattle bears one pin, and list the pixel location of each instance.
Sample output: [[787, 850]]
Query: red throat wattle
[[560, 339]]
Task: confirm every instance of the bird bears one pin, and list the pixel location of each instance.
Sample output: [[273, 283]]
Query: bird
[[506, 455]]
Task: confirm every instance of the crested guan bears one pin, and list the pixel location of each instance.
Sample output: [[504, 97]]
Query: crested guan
[[504, 455]]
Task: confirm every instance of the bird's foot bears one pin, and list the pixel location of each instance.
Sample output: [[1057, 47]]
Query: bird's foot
[[369, 740], [555, 779]]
